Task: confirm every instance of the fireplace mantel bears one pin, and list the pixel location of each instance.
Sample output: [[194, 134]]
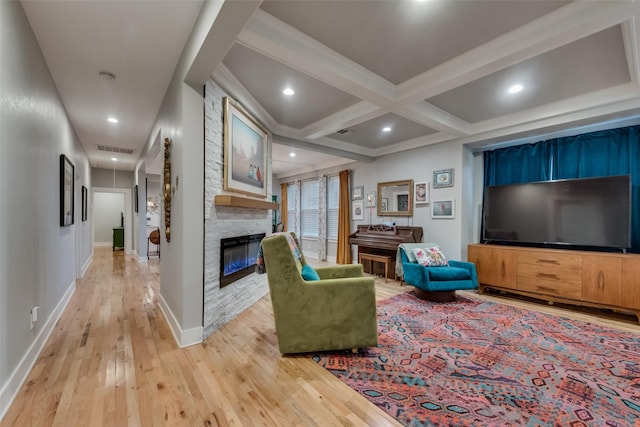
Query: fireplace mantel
[[243, 202]]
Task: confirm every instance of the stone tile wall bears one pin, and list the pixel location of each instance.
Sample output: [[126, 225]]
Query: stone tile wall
[[222, 305]]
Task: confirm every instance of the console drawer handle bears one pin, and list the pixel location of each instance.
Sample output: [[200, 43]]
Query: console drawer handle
[[547, 261], [547, 275]]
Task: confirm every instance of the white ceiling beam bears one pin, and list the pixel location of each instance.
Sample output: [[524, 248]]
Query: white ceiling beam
[[435, 118], [565, 25], [226, 21], [411, 144], [625, 110], [285, 44], [631, 38], [336, 149], [350, 116], [606, 99], [239, 92]]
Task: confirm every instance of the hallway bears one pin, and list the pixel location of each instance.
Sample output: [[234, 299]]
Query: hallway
[[112, 360]]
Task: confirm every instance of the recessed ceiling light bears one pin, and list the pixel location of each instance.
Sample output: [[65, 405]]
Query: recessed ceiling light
[[288, 91], [113, 159], [112, 120], [386, 129], [515, 88], [292, 154]]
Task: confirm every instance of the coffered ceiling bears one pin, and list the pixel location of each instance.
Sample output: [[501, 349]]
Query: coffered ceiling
[[434, 71]]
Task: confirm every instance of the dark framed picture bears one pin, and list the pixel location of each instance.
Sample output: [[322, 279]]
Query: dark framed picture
[[135, 198], [67, 170], [443, 178], [245, 152], [85, 197]]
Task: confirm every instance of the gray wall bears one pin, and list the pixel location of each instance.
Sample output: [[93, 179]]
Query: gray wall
[[453, 235], [39, 260], [106, 215]]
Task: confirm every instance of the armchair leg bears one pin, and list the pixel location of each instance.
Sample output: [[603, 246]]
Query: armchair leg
[[440, 296]]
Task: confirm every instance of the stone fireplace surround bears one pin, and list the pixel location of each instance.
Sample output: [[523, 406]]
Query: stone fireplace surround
[[223, 304]]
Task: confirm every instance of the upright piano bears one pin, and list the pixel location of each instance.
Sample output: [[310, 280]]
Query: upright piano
[[380, 239]]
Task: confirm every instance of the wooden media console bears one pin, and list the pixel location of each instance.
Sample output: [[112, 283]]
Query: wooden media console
[[594, 279]]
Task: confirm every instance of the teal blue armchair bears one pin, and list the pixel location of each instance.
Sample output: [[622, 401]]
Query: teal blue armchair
[[435, 283]]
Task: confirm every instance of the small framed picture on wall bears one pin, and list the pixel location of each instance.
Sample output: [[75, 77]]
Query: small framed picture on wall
[[421, 193], [442, 209], [358, 193], [443, 178], [357, 210]]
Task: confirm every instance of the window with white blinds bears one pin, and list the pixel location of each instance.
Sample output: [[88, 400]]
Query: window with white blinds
[[333, 201], [309, 208], [291, 207]]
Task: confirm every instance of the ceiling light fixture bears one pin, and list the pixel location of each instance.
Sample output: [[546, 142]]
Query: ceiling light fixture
[[292, 154], [112, 120], [113, 159], [288, 91], [386, 129], [515, 88]]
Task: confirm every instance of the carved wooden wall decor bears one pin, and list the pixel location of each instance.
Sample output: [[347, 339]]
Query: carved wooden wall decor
[[167, 189]]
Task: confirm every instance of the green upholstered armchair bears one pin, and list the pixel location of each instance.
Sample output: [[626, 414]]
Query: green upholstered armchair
[[333, 313]]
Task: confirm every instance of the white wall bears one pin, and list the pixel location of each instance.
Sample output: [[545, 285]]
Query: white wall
[[181, 271], [106, 216], [453, 235], [39, 260]]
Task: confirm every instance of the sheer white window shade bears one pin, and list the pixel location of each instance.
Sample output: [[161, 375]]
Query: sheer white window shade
[[333, 200], [309, 208], [292, 213]]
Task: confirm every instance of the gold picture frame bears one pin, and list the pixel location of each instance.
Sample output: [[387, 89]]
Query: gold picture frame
[[245, 152]]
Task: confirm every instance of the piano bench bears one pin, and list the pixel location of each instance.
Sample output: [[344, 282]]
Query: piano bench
[[385, 259]]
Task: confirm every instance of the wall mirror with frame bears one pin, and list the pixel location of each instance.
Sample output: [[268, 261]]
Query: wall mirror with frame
[[395, 198]]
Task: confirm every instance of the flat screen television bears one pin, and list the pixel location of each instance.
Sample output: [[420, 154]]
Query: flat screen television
[[584, 212]]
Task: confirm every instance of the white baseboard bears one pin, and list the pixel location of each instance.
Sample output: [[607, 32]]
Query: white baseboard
[[143, 259], [87, 263], [184, 338], [20, 373]]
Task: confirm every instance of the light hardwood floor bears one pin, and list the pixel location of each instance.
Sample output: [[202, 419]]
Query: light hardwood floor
[[112, 360]]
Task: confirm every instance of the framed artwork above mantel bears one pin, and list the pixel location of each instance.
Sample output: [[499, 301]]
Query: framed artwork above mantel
[[245, 152]]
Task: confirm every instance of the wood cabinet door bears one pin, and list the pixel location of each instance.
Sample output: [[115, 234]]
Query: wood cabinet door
[[494, 266], [602, 279], [631, 282]]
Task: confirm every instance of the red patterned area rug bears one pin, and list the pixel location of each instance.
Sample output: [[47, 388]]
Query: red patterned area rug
[[478, 363]]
